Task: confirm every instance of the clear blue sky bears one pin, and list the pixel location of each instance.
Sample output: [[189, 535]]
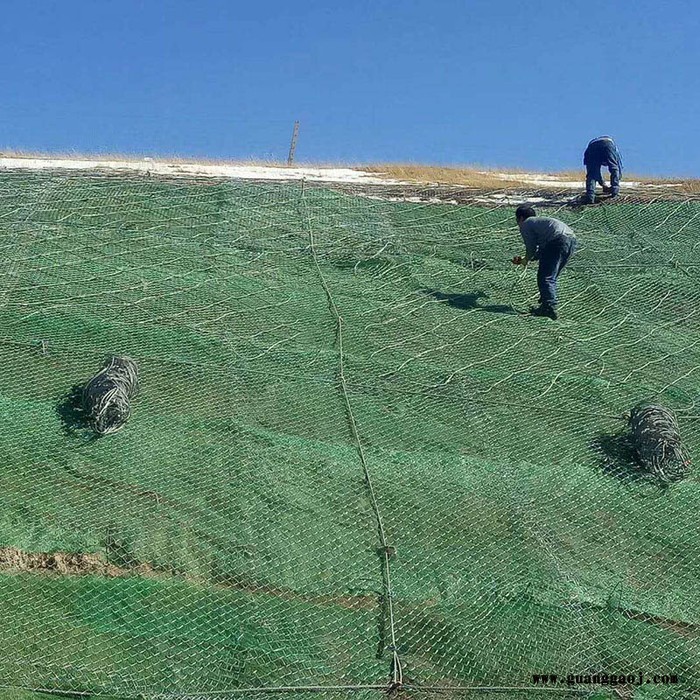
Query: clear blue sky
[[497, 82]]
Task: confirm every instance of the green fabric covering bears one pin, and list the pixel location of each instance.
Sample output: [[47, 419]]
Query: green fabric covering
[[234, 507]]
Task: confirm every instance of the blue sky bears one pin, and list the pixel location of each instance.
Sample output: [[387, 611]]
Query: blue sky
[[495, 82]]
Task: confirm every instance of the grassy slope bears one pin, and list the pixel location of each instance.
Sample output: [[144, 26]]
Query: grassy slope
[[238, 478]]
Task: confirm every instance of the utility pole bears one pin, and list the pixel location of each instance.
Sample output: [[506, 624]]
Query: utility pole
[[293, 144]]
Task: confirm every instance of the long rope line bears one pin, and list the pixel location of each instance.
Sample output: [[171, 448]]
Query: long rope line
[[307, 689], [397, 673]]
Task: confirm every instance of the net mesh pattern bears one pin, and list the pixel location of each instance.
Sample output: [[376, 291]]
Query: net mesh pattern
[[352, 464]]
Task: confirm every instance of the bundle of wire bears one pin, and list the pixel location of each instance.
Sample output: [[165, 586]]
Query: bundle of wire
[[657, 441], [107, 396]]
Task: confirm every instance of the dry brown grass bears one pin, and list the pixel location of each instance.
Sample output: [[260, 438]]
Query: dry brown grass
[[471, 176], [691, 186], [483, 177], [488, 178], [685, 185]]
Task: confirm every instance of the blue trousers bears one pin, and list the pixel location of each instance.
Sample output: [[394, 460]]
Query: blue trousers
[[553, 257], [593, 176]]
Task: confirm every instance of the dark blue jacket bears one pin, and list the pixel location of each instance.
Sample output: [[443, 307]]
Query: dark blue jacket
[[602, 151]]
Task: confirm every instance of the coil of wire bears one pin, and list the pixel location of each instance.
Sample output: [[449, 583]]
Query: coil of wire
[[657, 441], [107, 396]]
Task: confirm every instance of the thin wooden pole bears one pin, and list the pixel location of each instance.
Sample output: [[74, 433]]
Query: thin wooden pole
[[293, 144]]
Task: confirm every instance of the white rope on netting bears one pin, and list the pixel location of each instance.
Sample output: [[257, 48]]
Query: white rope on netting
[[429, 332], [107, 396], [386, 551], [520, 276], [574, 341], [438, 348], [657, 441], [629, 344], [412, 299]]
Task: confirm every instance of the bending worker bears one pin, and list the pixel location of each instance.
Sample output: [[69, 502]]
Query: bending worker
[[602, 152], [551, 242]]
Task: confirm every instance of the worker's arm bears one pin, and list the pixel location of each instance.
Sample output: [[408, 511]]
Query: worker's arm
[[529, 237], [619, 158]]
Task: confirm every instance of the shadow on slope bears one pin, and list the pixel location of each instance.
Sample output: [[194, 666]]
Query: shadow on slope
[[470, 301], [618, 459], [70, 411]]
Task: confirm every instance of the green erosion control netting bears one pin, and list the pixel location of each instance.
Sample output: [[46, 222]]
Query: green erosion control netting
[[351, 463]]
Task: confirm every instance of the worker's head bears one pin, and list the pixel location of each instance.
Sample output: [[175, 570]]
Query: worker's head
[[523, 212]]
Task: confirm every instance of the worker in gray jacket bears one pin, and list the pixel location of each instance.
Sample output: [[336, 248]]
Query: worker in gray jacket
[[551, 242]]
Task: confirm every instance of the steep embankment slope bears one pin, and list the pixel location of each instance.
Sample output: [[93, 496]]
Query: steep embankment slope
[[349, 449]]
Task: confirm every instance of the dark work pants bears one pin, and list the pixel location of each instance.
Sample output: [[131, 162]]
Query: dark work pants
[[553, 257], [593, 176]]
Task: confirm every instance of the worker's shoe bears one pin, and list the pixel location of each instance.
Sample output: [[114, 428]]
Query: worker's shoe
[[606, 189], [544, 310], [614, 191], [587, 199]]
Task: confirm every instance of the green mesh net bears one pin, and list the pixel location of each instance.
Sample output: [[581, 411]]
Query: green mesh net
[[353, 466]]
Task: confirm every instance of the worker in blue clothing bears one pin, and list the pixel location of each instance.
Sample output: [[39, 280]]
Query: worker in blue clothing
[[600, 152], [551, 242]]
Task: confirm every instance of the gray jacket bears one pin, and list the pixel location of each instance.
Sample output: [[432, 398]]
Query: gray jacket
[[538, 231]]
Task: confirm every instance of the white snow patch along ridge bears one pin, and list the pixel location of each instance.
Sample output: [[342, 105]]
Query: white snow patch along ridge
[[505, 199], [550, 180], [243, 172], [415, 200]]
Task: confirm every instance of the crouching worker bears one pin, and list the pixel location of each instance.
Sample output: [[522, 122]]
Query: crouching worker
[[551, 242], [602, 152]]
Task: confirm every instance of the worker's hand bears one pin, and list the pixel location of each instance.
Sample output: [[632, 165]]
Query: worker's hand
[[517, 260]]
